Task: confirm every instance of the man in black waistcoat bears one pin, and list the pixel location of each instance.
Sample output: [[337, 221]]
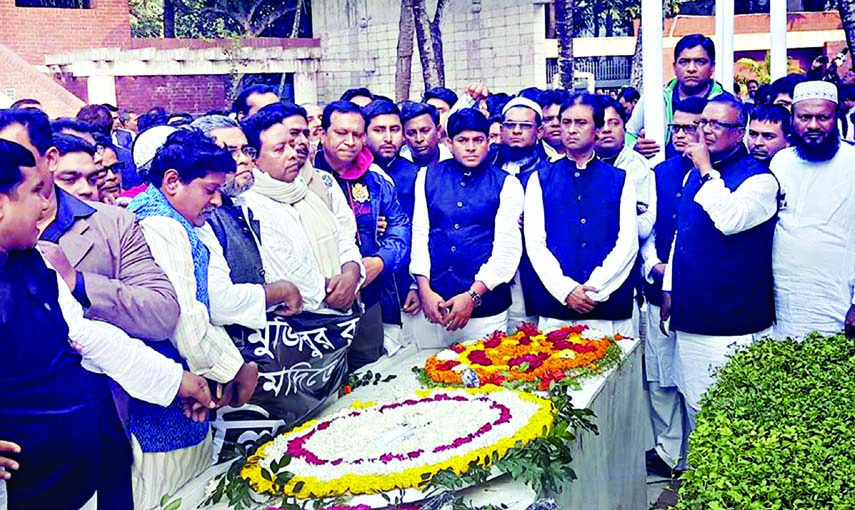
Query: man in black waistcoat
[[718, 281], [666, 406]]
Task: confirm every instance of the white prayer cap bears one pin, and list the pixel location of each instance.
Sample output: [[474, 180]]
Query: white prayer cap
[[147, 143], [525, 102], [815, 90]]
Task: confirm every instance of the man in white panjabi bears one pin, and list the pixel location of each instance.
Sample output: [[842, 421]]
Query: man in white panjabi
[[813, 252]]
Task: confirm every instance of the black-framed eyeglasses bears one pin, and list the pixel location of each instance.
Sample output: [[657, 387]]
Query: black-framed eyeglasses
[[689, 129], [525, 126], [116, 167], [247, 150], [717, 125]]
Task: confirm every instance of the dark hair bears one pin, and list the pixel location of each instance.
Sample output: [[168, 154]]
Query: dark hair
[[341, 106], [69, 144], [736, 88], [846, 92], [66, 124], [12, 158], [775, 114], [629, 94], [467, 119], [104, 142], [411, 109], [384, 98], [586, 99], [97, 118], [240, 105], [380, 107], [551, 97], [494, 119], [192, 154], [441, 93], [749, 82], [695, 40], [785, 85], [763, 95], [611, 103], [694, 105], [360, 91], [37, 124], [532, 93], [156, 116], [266, 117], [179, 119], [20, 103], [496, 102], [739, 106]]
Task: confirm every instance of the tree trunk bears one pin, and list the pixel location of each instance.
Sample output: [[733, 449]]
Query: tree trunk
[[404, 64], [168, 19], [436, 38], [298, 17], [565, 30], [427, 52], [847, 17], [636, 77]]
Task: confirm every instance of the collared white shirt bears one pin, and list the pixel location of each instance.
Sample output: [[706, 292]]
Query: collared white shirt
[[140, 370], [608, 276], [507, 242], [208, 349], [813, 252]]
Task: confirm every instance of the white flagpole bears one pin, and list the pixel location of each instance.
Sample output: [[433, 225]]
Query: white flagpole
[[651, 48]]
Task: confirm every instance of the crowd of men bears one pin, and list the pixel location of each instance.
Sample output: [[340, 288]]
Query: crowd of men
[[246, 261]]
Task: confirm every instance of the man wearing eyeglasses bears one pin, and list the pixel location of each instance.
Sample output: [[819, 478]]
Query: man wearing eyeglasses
[[694, 66], [519, 153], [666, 408], [717, 288]]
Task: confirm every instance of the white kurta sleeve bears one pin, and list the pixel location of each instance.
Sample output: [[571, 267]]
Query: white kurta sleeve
[[231, 303], [617, 265], [208, 350], [140, 370], [732, 212], [545, 264], [507, 240], [668, 278], [649, 257], [419, 255], [646, 194]]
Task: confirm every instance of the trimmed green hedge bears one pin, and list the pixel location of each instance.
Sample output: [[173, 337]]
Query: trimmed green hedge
[[777, 431]]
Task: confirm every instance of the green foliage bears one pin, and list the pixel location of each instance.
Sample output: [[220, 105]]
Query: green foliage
[[778, 430]]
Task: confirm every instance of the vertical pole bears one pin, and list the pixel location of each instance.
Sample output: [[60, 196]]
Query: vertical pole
[[724, 20], [651, 47], [778, 31]]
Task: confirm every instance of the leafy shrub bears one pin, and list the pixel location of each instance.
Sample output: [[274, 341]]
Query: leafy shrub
[[777, 431]]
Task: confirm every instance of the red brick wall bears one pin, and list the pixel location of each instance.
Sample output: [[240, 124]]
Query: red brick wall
[[34, 32], [192, 94]]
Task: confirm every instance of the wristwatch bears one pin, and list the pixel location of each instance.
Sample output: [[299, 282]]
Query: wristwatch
[[476, 298]]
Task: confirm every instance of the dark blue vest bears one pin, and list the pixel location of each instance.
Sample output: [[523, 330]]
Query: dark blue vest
[[462, 206], [404, 173], [582, 215], [241, 253], [722, 284], [45, 406], [669, 189]]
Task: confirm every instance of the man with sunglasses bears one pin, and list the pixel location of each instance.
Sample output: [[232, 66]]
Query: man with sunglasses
[[666, 409], [717, 288], [520, 153]]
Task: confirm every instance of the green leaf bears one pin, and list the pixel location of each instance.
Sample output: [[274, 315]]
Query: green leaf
[[175, 505]]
